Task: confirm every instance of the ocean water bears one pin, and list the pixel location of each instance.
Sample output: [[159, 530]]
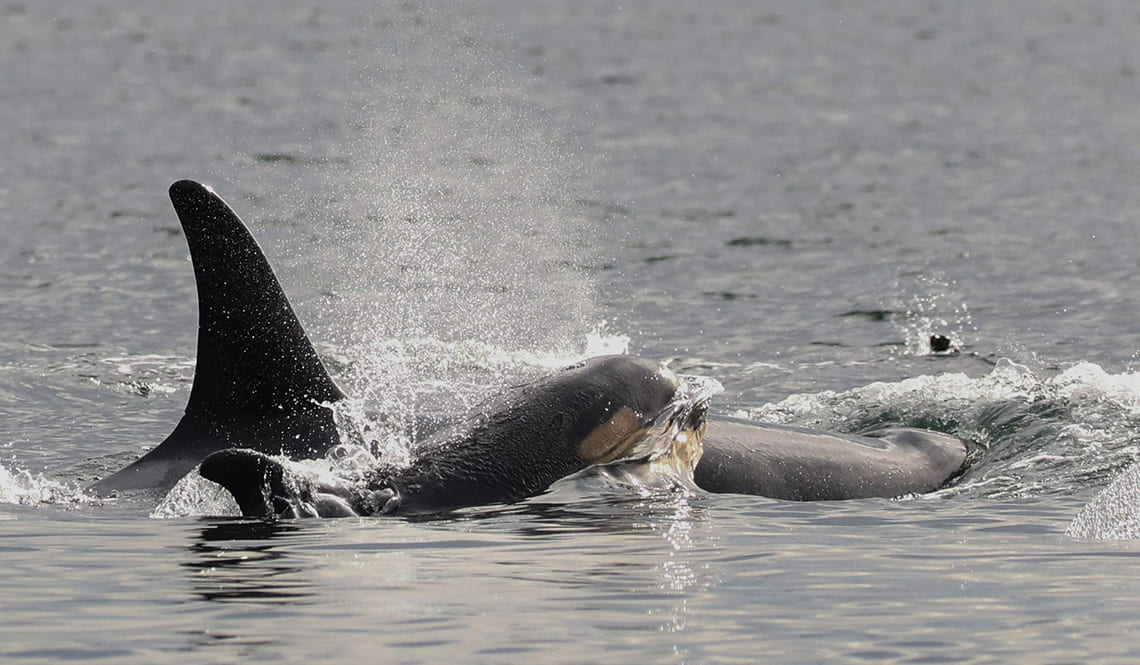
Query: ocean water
[[789, 198]]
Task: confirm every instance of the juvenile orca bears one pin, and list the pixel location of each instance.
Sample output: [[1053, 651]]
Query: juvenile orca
[[260, 390], [798, 464]]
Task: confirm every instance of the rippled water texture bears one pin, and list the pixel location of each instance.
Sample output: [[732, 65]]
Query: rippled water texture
[[784, 197]]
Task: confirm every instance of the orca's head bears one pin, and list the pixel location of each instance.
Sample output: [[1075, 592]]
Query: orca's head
[[609, 405]]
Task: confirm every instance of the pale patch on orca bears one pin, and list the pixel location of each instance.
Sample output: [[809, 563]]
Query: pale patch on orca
[[614, 438]]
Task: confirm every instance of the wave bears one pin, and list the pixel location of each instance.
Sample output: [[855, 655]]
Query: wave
[[1033, 433]]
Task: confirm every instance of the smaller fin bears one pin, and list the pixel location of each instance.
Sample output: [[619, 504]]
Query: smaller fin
[[258, 382], [256, 482]]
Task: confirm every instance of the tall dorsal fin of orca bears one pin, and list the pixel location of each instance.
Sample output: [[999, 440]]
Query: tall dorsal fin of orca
[[258, 382]]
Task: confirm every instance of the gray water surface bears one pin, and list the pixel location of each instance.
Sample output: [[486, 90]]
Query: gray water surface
[[786, 197]]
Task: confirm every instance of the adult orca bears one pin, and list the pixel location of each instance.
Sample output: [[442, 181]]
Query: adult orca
[[608, 409], [260, 390]]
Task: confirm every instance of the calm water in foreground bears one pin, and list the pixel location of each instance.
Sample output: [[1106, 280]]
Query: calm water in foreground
[[788, 199]]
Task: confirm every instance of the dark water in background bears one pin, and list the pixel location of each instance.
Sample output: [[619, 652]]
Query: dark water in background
[[787, 198]]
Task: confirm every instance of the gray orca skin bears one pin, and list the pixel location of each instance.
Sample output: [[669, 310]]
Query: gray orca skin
[[260, 390], [798, 464]]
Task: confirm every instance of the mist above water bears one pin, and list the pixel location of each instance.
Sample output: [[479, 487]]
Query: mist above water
[[455, 244]]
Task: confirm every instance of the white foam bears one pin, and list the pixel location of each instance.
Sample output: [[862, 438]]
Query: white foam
[[22, 487], [194, 496], [1114, 514]]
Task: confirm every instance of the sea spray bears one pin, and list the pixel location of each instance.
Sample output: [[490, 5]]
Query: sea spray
[[22, 487]]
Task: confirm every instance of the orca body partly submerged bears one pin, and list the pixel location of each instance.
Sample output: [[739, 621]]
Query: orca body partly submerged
[[798, 464], [605, 409], [260, 390]]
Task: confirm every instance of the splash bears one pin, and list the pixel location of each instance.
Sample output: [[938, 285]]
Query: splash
[[194, 496], [459, 235], [663, 462], [25, 488], [933, 308], [402, 390], [1114, 514], [452, 240]]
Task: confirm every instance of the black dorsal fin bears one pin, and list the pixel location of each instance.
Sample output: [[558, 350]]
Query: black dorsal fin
[[253, 355], [258, 382]]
